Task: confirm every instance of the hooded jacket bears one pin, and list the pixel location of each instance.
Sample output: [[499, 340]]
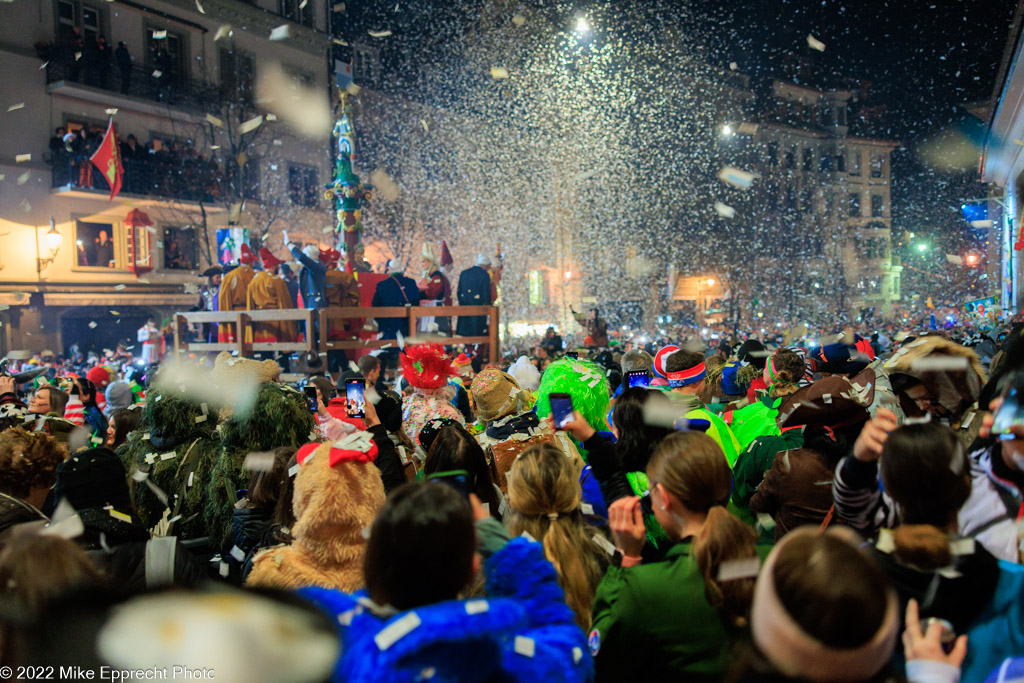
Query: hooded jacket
[[332, 506], [523, 631]]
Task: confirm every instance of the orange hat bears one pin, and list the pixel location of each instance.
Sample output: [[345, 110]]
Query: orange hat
[[246, 255], [268, 258]]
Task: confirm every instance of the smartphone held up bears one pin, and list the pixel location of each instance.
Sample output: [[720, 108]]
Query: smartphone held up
[[561, 409], [355, 398]]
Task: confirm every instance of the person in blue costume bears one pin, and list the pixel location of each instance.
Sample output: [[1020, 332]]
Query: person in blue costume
[[408, 624]]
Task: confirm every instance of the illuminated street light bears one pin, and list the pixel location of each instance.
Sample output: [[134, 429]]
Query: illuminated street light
[[568, 275], [922, 247], [972, 259], [711, 282], [582, 25], [727, 129]]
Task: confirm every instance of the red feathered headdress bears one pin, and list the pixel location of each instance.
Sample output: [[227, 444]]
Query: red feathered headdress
[[426, 366]]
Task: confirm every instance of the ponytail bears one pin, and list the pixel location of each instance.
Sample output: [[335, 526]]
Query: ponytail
[[569, 561], [722, 538], [544, 495]]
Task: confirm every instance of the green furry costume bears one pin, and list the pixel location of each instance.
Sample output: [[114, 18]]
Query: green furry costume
[[585, 382], [178, 454], [280, 417]]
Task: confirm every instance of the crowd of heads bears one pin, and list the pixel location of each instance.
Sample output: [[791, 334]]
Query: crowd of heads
[[728, 512]]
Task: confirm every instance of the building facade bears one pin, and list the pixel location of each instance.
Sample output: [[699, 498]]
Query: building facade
[[203, 159], [828, 193], [1002, 166]]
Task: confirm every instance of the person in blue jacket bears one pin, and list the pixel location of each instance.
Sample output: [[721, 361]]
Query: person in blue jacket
[[408, 624]]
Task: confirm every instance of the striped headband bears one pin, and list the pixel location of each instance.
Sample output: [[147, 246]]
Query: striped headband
[[772, 372], [685, 377]]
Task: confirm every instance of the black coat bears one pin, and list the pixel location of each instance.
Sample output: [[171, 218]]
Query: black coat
[[118, 549], [474, 290], [14, 511]]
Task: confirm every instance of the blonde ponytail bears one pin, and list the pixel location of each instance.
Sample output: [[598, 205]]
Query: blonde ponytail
[[544, 496]]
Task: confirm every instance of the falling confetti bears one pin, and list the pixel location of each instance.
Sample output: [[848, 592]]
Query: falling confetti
[[23, 178], [386, 187], [498, 72], [15, 107], [22, 158], [518, 19], [306, 109], [215, 121], [815, 44], [224, 30], [282, 32], [200, 8], [724, 210], [379, 34], [250, 125], [159, 35], [737, 178], [112, 111]]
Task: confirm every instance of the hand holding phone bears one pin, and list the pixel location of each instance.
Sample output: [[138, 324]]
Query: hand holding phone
[[355, 400], [312, 401], [1011, 412], [561, 410], [638, 378]]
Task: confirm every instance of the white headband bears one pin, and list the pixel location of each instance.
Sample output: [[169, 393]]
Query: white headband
[[795, 653]]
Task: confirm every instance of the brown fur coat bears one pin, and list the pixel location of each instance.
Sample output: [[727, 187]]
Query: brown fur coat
[[332, 507]]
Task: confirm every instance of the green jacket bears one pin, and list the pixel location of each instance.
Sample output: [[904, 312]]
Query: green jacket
[[719, 431], [654, 620], [748, 472]]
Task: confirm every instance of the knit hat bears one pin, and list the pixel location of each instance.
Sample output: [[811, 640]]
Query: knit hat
[[798, 654], [426, 366], [396, 266], [483, 259], [98, 375], [119, 395], [660, 357], [93, 479], [496, 394], [430, 431], [246, 255], [269, 260]]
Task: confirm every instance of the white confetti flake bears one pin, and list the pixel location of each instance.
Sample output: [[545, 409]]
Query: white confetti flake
[[250, 125], [200, 8], [736, 177], [379, 34], [20, 158], [724, 210], [745, 568], [112, 111], [815, 44], [282, 32], [15, 107], [224, 30], [159, 35], [518, 19], [499, 72]]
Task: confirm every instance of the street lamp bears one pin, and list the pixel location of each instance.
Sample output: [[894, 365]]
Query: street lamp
[[582, 25], [727, 130], [53, 241], [711, 282]]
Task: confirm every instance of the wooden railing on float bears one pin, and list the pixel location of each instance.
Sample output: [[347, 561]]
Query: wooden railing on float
[[328, 319]]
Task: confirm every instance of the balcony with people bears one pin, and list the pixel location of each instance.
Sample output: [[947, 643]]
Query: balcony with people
[[88, 62], [159, 168]]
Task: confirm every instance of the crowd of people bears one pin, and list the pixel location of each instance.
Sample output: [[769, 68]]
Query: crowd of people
[[744, 511], [156, 167]]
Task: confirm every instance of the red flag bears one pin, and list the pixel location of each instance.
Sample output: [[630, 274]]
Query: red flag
[[108, 160]]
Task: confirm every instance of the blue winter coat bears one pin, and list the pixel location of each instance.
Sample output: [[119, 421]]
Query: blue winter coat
[[523, 631], [998, 632], [397, 290]]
